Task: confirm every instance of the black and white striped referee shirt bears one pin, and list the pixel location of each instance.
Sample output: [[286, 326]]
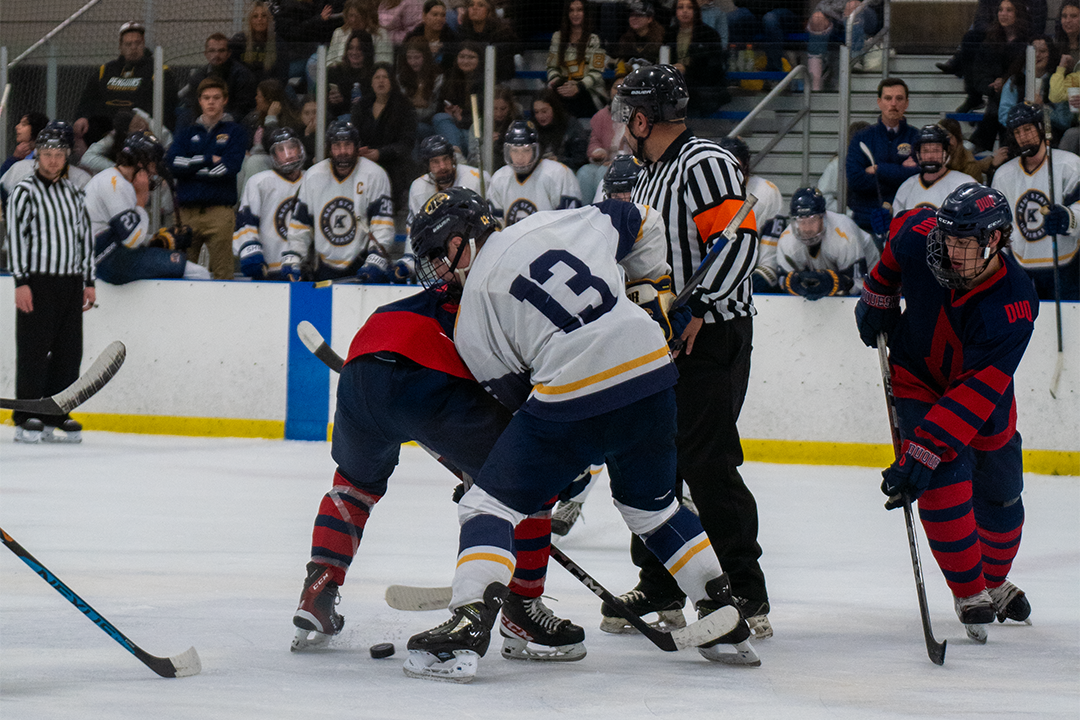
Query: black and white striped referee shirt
[[697, 188], [48, 230]]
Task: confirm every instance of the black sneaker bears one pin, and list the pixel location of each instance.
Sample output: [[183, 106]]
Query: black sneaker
[[1010, 603], [719, 589], [316, 619], [529, 620], [668, 611], [449, 651]]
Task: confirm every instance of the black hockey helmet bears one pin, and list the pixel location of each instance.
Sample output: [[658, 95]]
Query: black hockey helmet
[[455, 212], [658, 91], [622, 175], [808, 215], [434, 146], [342, 131], [56, 134], [285, 137], [929, 135], [1019, 115], [522, 133], [971, 210], [738, 148], [140, 148]]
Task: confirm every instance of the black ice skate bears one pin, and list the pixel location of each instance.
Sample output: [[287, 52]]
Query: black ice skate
[[756, 614], [532, 632], [316, 620], [564, 517], [975, 612], [452, 651], [1010, 603], [29, 431], [719, 590], [669, 614], [70, 432]]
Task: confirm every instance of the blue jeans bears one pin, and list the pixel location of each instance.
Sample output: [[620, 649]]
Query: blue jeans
[[867, 23], [445, 126]]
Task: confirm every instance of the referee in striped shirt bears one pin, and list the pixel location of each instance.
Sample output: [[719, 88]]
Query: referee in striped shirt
[[48, 236], [698, 188]]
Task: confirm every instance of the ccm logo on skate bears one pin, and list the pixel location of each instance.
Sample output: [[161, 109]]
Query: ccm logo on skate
[[1018, 311]]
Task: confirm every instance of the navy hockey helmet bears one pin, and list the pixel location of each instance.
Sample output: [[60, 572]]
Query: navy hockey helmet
[[522, 133], [658, 91], [738, 148], [622, 175], [56, 134], [455, 212], [140, 149], [1019, 115], [436, 146], [808, 215], [285, 142], [970, 211], [929, 135], [342, 131]]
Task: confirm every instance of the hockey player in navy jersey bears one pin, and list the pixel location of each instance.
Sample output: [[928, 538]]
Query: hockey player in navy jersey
[[970, 311], [546, 327]]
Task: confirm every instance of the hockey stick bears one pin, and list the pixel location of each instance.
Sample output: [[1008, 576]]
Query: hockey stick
[[313, 341], [183, 665], [106, 365], [480, 149], [1049, 137], [728, 235], [877, 183], [935, 649]]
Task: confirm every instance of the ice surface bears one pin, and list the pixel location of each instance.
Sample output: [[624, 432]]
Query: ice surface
[[183, 541]]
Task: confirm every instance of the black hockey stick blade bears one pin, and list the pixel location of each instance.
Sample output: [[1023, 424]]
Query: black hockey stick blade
[[313, 341], [103, 369], [183, 665]]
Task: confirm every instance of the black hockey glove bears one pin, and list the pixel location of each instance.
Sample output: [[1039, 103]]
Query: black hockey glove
[[816, 284], [909, 476], [876, 314]]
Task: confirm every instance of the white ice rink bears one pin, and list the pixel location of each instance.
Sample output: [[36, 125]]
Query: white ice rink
[[182, 541]]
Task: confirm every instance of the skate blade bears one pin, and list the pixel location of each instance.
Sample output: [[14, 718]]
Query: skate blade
[[51, 435], [977, 633], [515, 648], [459, 669], [308, 640], [744, 654], [666, 621]]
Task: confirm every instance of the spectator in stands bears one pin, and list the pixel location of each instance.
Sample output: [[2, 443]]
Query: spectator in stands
[[643, 39], [309, 118], [506, 111], [575, 63], [420, 80], [386, 122], [351, 22], [962, 159], [205, 158], [102, 154], [219, 64], [399, 17], [349, 80], [441, 40], [890, 140], [302, 25], [985, 61], [256, 48], [482, 26], [827, 25], [562, 137], [26, 132], [124, 83], [1015, 89], [773, 19], [827, 182], [455, 107], [696, 52], [272, 109], [1067, 31]]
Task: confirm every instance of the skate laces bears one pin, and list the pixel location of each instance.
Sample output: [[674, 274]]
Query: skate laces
[[1004, 594], [568, 511], [541, 614]]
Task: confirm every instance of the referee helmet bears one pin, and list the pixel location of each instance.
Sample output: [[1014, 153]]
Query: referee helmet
[[57, 134], [658, 91]]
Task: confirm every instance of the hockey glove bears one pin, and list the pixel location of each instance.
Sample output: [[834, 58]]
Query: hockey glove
[[764, 280], [816, 284], [879, 221], [679, 320], [376, 269], [876, 314], [290, 268], [654, 297], [252, 263], [909, 476], [1058, 221], [177, 237], [403, 269]]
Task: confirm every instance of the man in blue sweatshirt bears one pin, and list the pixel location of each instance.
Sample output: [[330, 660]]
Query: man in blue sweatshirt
[[206, 157], [891, 141]]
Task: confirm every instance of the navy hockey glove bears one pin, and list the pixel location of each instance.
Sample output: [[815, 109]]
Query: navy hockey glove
[[403, 269], [876, 314], [290, 268], [1058, 221], [816, 284], [376, 269], [252, 263], [879, 221], [909, 476], [654, 297], [679, 320], [764, 280]]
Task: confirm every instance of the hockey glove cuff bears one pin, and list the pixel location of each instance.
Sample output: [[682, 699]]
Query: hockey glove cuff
[[910, 475], [376, 269], [290, 268], [404, 269], [252, 263], [876, 313], [764, 279]]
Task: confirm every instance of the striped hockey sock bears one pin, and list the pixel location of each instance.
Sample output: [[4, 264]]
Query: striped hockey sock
[[339, 526]]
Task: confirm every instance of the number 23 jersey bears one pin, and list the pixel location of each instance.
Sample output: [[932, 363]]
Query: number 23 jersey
[[545, 324]]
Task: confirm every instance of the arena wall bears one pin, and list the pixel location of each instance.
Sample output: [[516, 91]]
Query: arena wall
[[223, 359]]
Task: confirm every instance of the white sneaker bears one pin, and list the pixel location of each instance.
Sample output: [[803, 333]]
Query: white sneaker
[[30, 431]]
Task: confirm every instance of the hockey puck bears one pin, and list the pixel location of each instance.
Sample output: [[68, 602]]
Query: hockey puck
[[381, 650]]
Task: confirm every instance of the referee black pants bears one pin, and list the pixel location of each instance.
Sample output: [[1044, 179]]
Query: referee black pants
[[48, 341], [710, 393]]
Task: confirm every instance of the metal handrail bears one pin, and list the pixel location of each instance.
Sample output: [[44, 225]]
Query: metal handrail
[[796, 72]]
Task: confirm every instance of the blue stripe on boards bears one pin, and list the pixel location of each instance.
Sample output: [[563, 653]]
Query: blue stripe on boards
[[307, 403]]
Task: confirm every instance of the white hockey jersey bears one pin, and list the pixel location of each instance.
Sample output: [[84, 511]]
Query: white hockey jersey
[[108, 196], [550, 186], [769, 206], [1027, 195], [341, 216], [545, 323], [266, 208], [914, 192], [423, 187], [843, 246]]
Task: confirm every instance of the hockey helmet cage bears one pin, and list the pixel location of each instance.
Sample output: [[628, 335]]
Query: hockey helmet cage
[[971, 210], [455, 212], [435, 146]]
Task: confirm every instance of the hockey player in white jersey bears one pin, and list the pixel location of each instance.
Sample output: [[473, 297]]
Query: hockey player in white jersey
[[529, 184], [125, 249], [262, 223], [545, 325], [343, 207], [437, 155], [822, 253], [1038, 214], [935, 180]]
